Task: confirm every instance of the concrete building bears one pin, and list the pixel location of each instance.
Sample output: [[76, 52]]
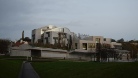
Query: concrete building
[[55, 35], [82, 46], [52, 35]]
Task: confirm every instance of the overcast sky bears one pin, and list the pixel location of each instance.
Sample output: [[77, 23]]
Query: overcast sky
[[109, 18]]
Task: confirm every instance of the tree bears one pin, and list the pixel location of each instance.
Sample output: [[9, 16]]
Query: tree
[[132, 41], [27, 38], [104, 51], [130, 47], [120, 40], [4, 45], [113, 40]]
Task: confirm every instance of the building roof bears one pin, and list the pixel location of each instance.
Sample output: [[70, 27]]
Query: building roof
[[47, 49], [18, 43]]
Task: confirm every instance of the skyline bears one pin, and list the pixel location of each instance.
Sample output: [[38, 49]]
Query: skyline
[[110, 19]]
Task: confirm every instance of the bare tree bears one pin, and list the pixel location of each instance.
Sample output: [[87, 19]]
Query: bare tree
[[4, 45], [104, 52]]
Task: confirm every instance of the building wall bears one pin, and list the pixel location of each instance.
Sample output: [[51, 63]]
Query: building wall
[[86, 57], [50, 54], [37, 33], [80, 44], [92, 39], [114, 43], [20, 53], [21, 50]]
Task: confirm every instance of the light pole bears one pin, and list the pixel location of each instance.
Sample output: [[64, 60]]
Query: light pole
[[132, 54]]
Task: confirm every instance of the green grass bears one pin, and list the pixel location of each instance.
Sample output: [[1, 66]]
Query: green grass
[[10, 68], [86, 69]]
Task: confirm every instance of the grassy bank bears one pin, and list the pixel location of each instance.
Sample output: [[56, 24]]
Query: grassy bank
[[86, 70], [10, 68]]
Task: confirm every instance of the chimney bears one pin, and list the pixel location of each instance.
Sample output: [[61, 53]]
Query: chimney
[[23, 35], [15, 41]]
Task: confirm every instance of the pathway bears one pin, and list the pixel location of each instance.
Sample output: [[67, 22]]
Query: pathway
[[27, 71]]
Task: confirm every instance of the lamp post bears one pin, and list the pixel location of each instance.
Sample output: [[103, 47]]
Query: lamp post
[[132, 54]]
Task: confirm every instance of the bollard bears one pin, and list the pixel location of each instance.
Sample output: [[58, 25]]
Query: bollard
[[27, 57], [31, 58]]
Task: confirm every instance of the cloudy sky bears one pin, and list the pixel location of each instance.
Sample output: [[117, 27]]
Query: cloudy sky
[[109, 18]]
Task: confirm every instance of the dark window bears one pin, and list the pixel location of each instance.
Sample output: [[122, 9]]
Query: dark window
[[104, 39], [48, 34], [75, 45], [33, 37], [46, 39], [70, 39], [84, 46], [56, 40]]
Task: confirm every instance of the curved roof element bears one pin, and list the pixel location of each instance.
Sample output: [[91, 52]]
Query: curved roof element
[[48, 26], [60, 29]]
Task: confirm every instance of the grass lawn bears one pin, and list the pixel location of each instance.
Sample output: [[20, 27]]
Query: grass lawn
[[64, 69], [10, 68]]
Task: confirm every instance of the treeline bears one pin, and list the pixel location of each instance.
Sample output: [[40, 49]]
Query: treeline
[[4, 45], [131, 46], [122, 40]]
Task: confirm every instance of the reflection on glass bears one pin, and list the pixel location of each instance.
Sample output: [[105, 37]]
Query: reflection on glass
[[97, 40], [91, 45], [56, 40]]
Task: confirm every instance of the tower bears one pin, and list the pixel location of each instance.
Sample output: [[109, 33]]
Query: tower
[[22, 35]]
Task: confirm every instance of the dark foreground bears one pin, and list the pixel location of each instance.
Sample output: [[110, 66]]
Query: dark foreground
[[86, 69]]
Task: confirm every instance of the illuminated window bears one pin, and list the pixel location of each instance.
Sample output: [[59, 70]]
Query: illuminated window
[[97, 40], [56, 40], [91, 45]]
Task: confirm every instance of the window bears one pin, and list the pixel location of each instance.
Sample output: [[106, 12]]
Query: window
[[97, 40], [48, 40], [91, 45], [75, 45], [48, 34], [84, 46], [104, 39], [45, 40]]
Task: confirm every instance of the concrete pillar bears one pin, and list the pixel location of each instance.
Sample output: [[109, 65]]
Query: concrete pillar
[[31, 58]]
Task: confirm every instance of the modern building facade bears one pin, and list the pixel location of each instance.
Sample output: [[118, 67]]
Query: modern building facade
[[52, 35], [63, 36], [82, 46]]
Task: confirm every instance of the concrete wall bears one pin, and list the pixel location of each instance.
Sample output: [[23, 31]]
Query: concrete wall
[[80, 44], [37, 33], [114, 43], [86, 57], [21, 50], [80, 56], [50, 54], [92, 39], [20, 53]]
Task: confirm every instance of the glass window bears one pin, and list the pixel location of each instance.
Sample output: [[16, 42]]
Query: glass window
[[45, 40], [104, 39], [97, 40], [75, 45], [91, 45], [56, 40], [48, 40]]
